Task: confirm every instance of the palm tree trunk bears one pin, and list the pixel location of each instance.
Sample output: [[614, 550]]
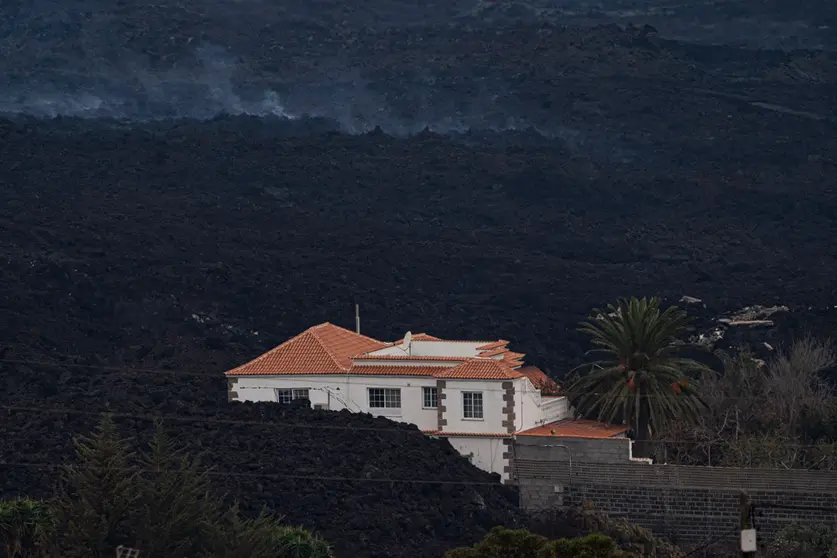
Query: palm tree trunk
[[642, 446]]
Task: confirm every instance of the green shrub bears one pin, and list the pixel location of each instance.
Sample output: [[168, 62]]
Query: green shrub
[[591, 546], [804, 541], [576, 522], [26, 528], [296, 542], [520, 543], [238, 537]]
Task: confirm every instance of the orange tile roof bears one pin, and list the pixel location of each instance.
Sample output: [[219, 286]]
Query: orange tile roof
[[492, 345], [494, 352], [418, 337], [330, 349], [408, 357], [321, 349], [511, 355], [576, 428], [538, 378], [480, 369], [391, 370]]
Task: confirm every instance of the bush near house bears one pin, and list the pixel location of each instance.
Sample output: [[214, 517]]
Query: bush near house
[[804, 541], [160, 501], [583, 520], [520, 543], [582, 532], [777, 412], [296, 542]]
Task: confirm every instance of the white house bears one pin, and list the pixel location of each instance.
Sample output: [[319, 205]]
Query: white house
[[477, 394]]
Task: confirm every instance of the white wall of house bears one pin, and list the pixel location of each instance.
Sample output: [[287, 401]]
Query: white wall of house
[[492, 406], [485, 453], [351, 392], [555, 408], [344, 391], [527, 405]]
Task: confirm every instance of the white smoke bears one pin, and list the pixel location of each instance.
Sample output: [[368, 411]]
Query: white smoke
[[214, 83], [202, 91]]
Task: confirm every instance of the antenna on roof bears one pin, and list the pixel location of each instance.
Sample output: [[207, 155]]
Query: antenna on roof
[[357, 318], [408, 343]]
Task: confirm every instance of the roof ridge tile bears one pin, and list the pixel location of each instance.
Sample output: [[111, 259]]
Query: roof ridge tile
[[325, 345]]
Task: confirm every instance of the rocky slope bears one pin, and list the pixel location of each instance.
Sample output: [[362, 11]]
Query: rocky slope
[[370, 486]]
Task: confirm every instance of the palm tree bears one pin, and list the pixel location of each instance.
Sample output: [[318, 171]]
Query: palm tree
[[641, 377]]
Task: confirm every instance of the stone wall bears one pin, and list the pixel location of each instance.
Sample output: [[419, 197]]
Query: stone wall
[[690, 505]]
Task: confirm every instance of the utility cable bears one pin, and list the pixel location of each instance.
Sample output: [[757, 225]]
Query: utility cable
[[275, 476], [713, 541]]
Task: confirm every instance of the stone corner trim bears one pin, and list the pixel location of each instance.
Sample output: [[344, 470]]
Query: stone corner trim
[[509, 414], [232, 395], [441, 408], [508, 458]]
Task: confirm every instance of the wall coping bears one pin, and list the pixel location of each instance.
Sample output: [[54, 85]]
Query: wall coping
[[678, 476]]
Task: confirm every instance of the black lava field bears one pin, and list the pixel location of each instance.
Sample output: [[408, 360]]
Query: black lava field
[[186, 185]]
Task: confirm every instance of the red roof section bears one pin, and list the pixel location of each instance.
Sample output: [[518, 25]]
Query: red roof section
[[322, 349], [480, 369], [576, 428], [539, 379], [388, 370], [494, 352], [413, 358], [418, 337], [492, 345], [331, 349]]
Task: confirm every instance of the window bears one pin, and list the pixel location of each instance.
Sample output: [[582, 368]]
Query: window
[[430, 398], [472, 405], [383, 398], [288, 395]]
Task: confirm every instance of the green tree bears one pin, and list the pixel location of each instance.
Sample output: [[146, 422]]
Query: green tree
[[161, 501], [641, 377], [27, 528], [177, 511], [97, 495]]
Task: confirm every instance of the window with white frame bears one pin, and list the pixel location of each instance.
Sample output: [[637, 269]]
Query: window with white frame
[[472, 404], [384, 398], [288, 395], [430, 398]]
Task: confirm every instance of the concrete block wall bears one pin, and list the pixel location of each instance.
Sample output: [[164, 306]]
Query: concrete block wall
[[546, 448], [689, 505]]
